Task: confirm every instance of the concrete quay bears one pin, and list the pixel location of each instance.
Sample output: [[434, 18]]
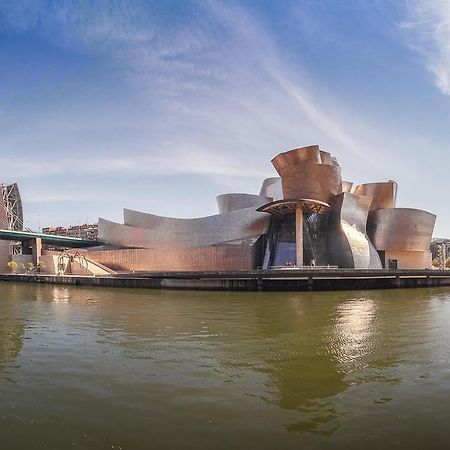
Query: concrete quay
[[291, 279]]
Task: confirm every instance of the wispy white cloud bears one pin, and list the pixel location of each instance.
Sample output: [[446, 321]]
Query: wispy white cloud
[[219, 75], [427, 30], [193, 161], [223, 95]]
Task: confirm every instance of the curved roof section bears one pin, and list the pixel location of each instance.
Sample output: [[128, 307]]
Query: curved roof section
[[401, 229], [315, 181], [234, 201], [300, 156], [149, 230], [297, 156], [271, 187], [384, 194], [308, 172]]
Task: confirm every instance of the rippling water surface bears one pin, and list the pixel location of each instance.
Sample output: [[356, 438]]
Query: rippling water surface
[[94, 368]]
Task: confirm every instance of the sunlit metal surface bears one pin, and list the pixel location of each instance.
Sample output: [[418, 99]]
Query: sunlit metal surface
[[314, 181], [308, 172], [316, 218], [297, 156], [401, 229], [325, 158], [233, 202], [271, 187], [149, 230], [349, 245], [347, 186], [383, 194]]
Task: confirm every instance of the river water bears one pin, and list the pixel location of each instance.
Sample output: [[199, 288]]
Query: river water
[[94, 368]]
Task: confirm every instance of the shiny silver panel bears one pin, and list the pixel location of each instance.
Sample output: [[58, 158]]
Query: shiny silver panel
[[149, 231], [271, 187], [401, 229], [233, 202], [349, 245]]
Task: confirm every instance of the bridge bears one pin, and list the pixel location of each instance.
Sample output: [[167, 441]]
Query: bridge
[[49, 239]]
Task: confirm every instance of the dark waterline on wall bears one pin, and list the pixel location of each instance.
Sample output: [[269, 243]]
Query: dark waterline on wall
[[136, 369]]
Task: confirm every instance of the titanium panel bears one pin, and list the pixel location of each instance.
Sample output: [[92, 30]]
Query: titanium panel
[[216, 258], [349, 245], [271, 187], [347, 186], [314, 181], [401, 229], [296, 157], [325, 158], [149, 231], [234, 202], [383, 194]]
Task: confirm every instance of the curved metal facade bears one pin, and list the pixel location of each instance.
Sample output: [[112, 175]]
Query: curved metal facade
[[349, 245], [326, 158], [383, 194], [148, 230], [233, 202], [401, 229], [355, 226], [310, 155], [313, 181], [271, 187], [308, 172], [347, 186]]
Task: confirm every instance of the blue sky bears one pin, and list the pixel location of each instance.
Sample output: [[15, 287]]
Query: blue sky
[[160, 106]]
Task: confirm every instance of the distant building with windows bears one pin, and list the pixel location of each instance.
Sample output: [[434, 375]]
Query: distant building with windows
[[85, 231], [436, 243]]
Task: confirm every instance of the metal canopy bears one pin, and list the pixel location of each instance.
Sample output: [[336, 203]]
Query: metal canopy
[[288, 206]]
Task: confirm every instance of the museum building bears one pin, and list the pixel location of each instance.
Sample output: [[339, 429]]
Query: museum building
[[306, 216]]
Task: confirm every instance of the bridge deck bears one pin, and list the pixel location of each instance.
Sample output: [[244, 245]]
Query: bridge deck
[[50, 239]]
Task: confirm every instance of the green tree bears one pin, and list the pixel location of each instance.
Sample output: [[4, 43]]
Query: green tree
[[12, 266]]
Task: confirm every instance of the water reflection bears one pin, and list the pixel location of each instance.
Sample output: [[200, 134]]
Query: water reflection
[[12, 331], [289, 344], [11, 338], [352, 337], [258, 366]]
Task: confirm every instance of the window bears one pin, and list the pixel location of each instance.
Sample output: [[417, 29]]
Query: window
[[392, 264]]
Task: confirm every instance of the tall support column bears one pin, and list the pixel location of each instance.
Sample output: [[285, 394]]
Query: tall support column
[[299, 234], [36, 249]]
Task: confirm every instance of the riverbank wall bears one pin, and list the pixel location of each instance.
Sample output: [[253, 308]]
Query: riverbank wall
[[257, 280]]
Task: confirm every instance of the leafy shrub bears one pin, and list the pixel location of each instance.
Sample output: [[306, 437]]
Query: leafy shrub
[[12, 266]]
